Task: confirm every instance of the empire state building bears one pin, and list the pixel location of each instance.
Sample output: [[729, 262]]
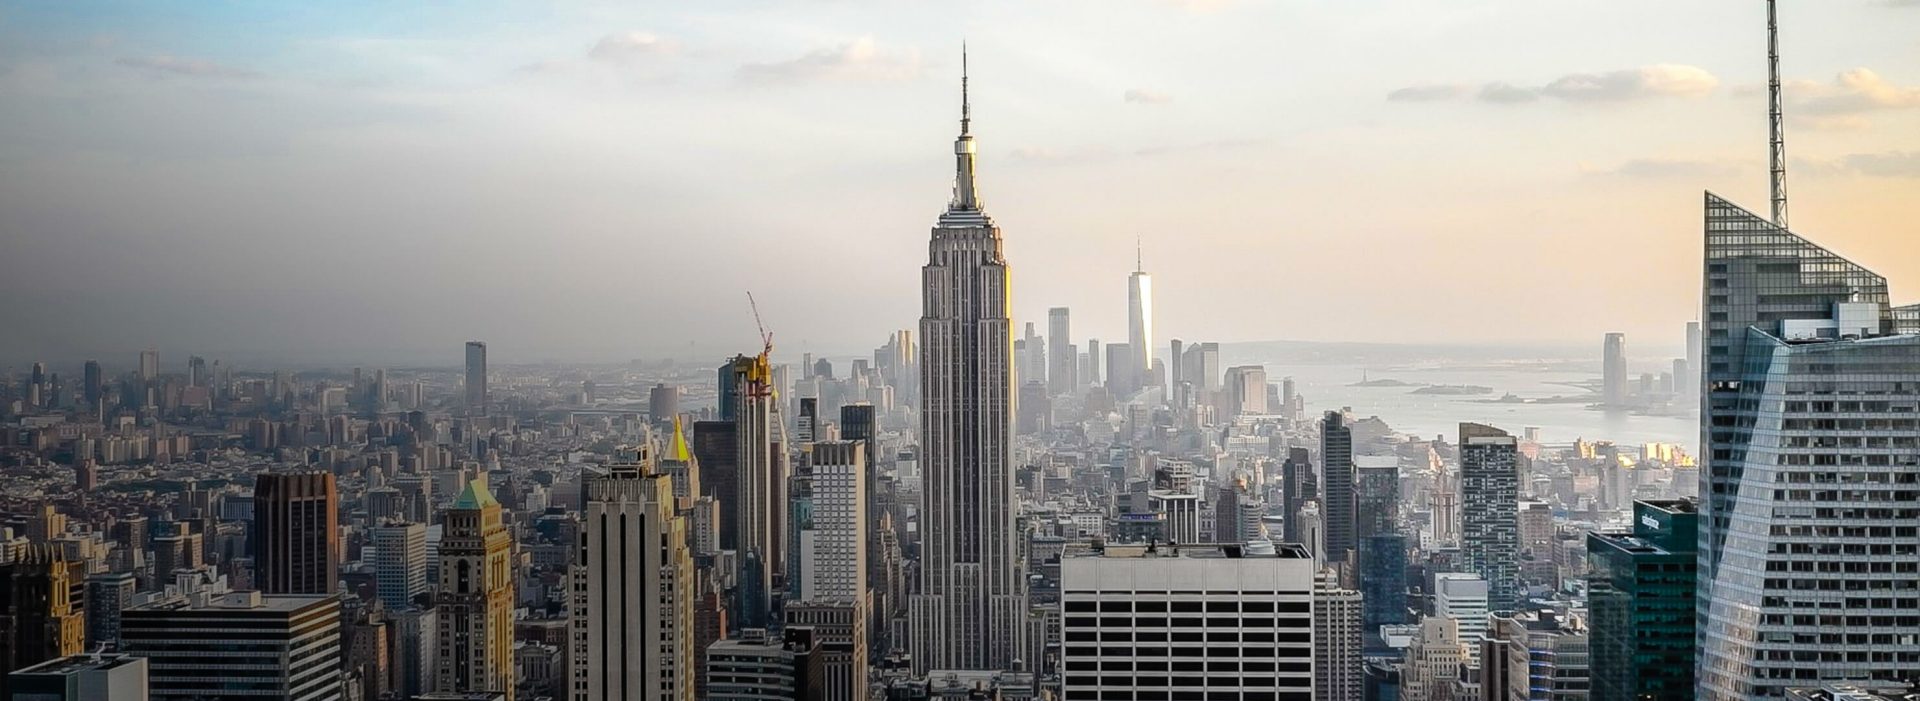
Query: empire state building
[[971, 610]]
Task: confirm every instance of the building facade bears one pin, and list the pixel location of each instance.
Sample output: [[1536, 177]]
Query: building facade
[[971, 605], [239, 645], [1489, 511], [1640, 587], [474, 601], [296, 533], [633, 591]]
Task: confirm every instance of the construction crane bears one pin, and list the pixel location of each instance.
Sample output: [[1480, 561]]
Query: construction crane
[[766, 337], [760, 378]]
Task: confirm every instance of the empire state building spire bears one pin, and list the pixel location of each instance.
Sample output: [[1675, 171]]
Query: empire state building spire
[[966, 198]]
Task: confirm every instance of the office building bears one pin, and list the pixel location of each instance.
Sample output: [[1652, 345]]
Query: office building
[[81, 678], [296, 533], [758, 668], [1541, 656], [832, 553], [1297, 487], [1122, 379], [1489, 511], [1140, 321], [715, 450], [839, 627], [1246, 388], [229, 645], [1640, 586], [400, 562], [1337, 640], [474, 601], [1464, 598], [1807, 417], [1383, 581], [1337, 499], [108, 593], [1062, 358], [45, 608], [1434, 660], [476, 386], [971, 606], [1146, 622], [1093, 375], [633, 591], [663, 402], [1613, 370]]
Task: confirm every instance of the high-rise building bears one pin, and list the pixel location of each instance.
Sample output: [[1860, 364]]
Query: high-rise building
[[1093, 364], [762, 486], [1337, 621], [834, 546], [1808, 435], [1246, 390], [1535, 655], [663, 402], [476, 376], [1236, 621], [1122, 379], [1613, 370], [474, 601], [1337, 499], [1688, 382], [1140, 321], [1463, 598], [82, 678], [1061, 356], [278, 647], [971, 608], [1434, 660], [1383, 581], [149, 365], [400, 562], [714, 448], [1489, 511], [108, 593], [758, 668], [296, 533], [93, 384], [1297, 487], [1640, 586], [633, 591], [45, 608]]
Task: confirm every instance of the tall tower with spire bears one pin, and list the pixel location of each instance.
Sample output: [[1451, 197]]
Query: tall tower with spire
[[1140, 319], [970, 613]]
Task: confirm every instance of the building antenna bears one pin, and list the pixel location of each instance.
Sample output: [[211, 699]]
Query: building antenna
[[1778, 143]]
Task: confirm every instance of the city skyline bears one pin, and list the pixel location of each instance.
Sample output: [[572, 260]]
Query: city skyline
[[1158, 126]]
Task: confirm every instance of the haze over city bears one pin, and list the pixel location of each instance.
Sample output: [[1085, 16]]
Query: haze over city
[[578, 181]]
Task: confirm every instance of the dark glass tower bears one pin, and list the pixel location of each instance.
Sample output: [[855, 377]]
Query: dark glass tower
[[1640, 597]]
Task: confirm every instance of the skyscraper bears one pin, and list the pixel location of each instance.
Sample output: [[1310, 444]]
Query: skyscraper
[[476, 376], [1246, 390], [1337, 623], [400, 562], [1489, 511], [1093, 363], [1297, 487], [475, 597], [149, 365], [832, 560], [296, 533], [970, 612], [267, 647], [93, 385], [633, 591], [1809, 454], [1640, 593], [1689, 382], [1140, 320], [41, 620], [1061, 358], [1336, 486], [761, 488], [1613, 370]]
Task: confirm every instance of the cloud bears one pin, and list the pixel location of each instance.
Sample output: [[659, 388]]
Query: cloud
[[1852, 92], [630, 46], [1900, 3], [1892, 164], [1645, 82], [859, 61], [1427, 93], [1506, 94], [1652, 168], [1147, 97], [163, 64], [1202, 6]]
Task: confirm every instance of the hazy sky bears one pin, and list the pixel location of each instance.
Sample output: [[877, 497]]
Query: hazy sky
[[576, 180]]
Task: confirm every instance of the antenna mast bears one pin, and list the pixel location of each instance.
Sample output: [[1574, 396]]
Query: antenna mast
[[1778, 143]]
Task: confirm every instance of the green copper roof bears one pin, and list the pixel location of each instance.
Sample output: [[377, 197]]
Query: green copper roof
[[476, 495]]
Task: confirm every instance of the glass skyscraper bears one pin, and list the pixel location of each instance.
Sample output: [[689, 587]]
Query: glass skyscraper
[[1810, 538], [1489, 511], [1640, 598]]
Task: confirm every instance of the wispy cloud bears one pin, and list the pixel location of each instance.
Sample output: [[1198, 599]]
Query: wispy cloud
[[1656, 168], [1202, 6], [163, 64], [631, 46], [1427, 93], [1852, 92], [1892, 164], [861, 60], [1148, 97], [1645, 82]]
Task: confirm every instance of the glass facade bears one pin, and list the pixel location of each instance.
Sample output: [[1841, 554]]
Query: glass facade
[[1490, 511], [1640, 600], [1810, 538]]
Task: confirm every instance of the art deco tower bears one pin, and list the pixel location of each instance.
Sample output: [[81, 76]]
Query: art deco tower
[[475, 600], [970, 612]]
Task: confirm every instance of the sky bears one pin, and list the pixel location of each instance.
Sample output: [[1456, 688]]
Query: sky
[[380, 182]]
